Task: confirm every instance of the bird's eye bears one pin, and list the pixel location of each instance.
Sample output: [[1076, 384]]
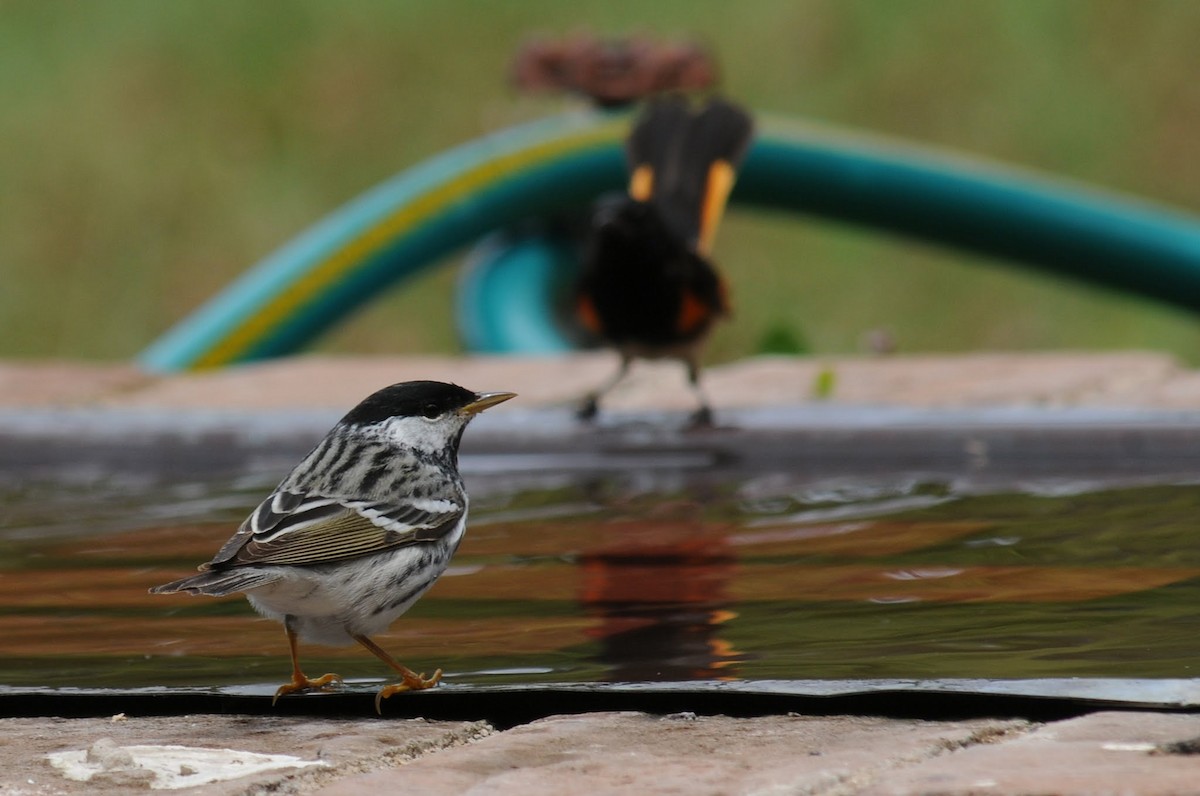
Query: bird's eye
[[431, 412]]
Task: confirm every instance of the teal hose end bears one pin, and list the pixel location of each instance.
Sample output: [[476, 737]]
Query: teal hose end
[[514, 294]]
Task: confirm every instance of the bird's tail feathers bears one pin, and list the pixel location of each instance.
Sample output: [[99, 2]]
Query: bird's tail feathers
[[685, 161], [718, 141], [219, 582], [652, 142]]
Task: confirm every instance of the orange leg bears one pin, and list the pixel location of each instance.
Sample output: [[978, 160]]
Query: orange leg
[[409, 680], [299, 681]]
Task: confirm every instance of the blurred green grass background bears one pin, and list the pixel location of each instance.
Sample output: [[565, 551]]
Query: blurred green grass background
[[152, 150]]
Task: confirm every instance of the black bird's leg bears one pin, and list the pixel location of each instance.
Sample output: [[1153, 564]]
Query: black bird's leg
[[703, 416], [591, 402]]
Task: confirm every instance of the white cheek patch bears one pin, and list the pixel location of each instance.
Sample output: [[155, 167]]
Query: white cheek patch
[[419, 433]]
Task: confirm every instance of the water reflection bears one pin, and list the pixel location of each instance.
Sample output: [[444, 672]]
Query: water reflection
[[621, 581], [660, 592]]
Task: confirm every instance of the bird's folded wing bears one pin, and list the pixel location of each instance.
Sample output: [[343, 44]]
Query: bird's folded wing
[[299, 530]]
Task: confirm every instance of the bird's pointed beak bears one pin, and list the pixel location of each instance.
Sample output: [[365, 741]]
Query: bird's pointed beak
[[485, 400]]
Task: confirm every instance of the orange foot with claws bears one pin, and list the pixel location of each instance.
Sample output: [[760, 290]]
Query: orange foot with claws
[[301, 683], [411, 682]]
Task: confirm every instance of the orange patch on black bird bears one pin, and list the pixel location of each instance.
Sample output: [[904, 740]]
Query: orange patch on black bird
[[641, 183], [588, 316], [694, 314], [717, 187]]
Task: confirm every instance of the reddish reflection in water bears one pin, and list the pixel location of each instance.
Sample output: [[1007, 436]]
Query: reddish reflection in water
[[660, 592]]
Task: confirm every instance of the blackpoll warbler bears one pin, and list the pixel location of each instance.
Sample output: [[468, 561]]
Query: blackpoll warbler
[[359, 530]]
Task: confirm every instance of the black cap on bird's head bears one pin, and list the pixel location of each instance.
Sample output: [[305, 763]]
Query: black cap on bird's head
[[428, 399]]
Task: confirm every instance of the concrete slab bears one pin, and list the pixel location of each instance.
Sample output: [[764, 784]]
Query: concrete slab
[[1101, 753], [340, 748], [316, 382], [610, 753], [58, 383], [1119, 379], [618, 753], [979, 379]]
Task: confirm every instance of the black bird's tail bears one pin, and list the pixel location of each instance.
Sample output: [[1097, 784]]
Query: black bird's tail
[[684, 160]]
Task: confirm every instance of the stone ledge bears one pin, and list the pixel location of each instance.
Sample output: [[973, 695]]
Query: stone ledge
[[343, 747], [1134, 753], [1112, 379], [680, 754]]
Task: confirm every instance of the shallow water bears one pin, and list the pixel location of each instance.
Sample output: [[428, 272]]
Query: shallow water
[[639, 577]]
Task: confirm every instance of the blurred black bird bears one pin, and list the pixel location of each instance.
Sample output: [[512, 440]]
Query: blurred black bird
[[647, 286]]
